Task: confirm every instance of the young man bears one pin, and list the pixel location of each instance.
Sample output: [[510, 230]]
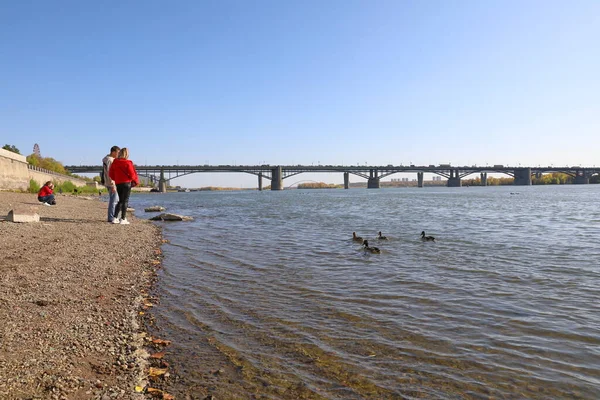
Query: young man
[[113, 196]]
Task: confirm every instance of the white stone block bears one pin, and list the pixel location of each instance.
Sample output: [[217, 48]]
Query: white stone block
[[23, 214]]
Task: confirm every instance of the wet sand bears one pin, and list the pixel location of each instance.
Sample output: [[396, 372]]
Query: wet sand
[[71, 288]]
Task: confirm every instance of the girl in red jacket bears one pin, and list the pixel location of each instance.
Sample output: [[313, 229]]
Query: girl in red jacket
[[45, 194], [125, 176]]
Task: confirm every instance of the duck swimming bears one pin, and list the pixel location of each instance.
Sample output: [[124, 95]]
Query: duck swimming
[[357, 238], [381, 237], [427, 238], [373, 250]]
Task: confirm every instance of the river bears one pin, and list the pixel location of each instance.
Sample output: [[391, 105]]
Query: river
[[266, 295]]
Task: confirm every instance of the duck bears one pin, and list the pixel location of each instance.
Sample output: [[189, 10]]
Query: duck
[[381, 237], [374, 250], [427, 238], [356, 238]]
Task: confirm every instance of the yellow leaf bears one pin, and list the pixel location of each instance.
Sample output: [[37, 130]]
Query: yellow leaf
[[157, 371], [139, 389], [142, 313]]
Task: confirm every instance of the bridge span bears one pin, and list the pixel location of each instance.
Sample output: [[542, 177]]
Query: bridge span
[[162, 174]]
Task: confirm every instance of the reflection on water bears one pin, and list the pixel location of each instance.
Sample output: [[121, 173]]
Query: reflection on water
[[265, 294]]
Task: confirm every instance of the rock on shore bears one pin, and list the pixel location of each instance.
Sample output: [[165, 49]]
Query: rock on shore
[[171, 217], [69, 293]]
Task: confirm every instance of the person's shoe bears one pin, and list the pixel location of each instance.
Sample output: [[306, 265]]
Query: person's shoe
[[124, 222], [116, 221], [46, 204]]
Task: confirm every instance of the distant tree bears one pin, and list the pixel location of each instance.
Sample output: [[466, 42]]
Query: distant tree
[[12, 148], [48, 163], [33, 160], [318, 185]]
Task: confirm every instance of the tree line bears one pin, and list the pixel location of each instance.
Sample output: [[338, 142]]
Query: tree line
[[553, 178]]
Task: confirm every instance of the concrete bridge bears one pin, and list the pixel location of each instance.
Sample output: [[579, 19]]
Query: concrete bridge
[[161, 174]]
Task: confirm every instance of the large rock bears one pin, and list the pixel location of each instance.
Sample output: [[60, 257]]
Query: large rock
[[171, 217], [154, 209], [23, 214]]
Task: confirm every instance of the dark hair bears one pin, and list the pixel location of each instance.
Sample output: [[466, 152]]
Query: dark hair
[[114, 148]]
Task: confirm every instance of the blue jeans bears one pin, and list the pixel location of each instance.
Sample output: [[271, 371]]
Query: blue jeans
[[46, 199], [113, 199]]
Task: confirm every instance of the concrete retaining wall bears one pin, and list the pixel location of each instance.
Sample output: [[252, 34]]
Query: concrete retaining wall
[[15, 173]]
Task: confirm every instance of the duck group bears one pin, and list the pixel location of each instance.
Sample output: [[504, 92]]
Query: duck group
[[376, 250]]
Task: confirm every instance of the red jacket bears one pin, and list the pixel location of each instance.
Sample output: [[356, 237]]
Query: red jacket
[[45, 191], [123, 171]]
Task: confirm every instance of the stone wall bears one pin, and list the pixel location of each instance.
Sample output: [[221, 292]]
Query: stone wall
[[15, 173]]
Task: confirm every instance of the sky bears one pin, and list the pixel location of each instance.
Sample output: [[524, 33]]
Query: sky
[[302, 82]]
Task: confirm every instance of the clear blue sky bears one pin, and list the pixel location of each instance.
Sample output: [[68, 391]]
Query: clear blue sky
[[283, 82]]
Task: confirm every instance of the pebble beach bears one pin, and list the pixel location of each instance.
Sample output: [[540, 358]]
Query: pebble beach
[[72, 287]]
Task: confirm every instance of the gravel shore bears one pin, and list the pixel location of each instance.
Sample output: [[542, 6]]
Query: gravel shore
[[71, 288]]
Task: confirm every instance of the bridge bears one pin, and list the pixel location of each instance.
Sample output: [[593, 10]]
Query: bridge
[[161, 174]]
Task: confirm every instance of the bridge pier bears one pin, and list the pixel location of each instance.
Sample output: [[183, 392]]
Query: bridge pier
[[483, 177], [373, 182], [454, 179], [522, 176], [162, 182], [420, 179], [260, 183], [276, 179], [581, 178], [346, 180]]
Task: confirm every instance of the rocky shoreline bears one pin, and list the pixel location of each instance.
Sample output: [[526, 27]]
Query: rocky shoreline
[[72, 290]]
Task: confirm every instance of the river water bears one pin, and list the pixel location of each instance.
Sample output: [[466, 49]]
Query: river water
[[266, 295]]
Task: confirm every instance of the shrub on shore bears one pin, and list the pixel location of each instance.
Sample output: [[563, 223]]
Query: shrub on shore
[[69, 187], [34, 187]]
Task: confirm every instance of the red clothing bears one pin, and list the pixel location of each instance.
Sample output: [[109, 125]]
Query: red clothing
[[123, 171], [45, 191]]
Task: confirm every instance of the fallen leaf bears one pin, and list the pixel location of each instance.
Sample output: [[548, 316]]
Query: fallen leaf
[[167, 396], [158, 355], [139, 389], [161, 341], [142, 313], [148, 304], [156, 393], [157, 371], [155, 262]]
